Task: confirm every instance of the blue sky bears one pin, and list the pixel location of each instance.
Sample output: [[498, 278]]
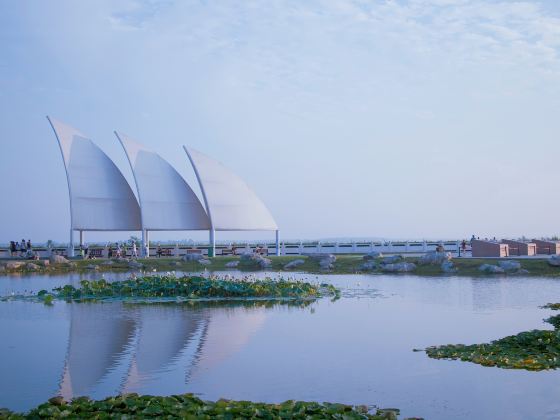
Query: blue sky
[[396, 119]]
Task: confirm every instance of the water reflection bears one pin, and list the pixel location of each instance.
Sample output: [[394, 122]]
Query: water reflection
[[118, 348]]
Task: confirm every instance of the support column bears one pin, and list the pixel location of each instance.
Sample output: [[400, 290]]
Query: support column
[[147, 250], [143, 249], [277, 243], [212, 247], [81, 238], [70, 250]]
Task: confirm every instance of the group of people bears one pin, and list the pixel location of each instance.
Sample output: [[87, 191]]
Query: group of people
[[121, 250], [21, 249]]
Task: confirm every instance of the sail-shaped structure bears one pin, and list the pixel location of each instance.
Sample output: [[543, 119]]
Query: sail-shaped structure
[[167, 202], [230, 203], [100, 197]]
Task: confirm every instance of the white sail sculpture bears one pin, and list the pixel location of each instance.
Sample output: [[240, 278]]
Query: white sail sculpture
[[100, 197], [167, 202], [230, 203]]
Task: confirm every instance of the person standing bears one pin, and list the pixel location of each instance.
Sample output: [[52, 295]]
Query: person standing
[[134, 250], [29, 247], [13, 248], [23, 248]]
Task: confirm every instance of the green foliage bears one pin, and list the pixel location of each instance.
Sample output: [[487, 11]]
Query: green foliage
[[189, 406], [193, 287], [530, 350]]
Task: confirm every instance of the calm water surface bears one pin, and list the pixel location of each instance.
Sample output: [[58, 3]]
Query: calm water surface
[[355, 350]]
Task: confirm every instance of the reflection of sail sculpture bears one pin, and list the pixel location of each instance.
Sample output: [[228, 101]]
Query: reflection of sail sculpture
[[163, 331], [228, 331], [97, 339], [143, 343]]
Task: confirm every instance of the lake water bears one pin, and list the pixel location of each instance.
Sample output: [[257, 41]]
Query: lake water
[[355, 350]]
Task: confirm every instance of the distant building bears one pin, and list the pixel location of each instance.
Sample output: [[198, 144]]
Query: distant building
[[520, 248], [547, 247], [489, 249]]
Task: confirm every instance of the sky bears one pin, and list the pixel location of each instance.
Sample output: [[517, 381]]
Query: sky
[[391, 119]]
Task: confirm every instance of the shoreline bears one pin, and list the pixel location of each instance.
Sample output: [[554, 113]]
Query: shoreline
[[344, 264]]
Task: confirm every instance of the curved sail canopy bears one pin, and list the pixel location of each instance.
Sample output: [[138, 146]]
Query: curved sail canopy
[[100, 197], [167, 202], [230, 203]]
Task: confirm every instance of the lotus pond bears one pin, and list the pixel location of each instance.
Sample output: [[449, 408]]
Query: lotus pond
[[356, 350]]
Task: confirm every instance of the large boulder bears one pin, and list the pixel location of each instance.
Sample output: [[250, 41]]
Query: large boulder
[[204, 261], [434, 258], [250, 260], [372, 255], [554, 260], [293, 264], [509, 265], [491, 269], [401, 267], [92, 267], [232, 264], [368, 266], [108, 263], [32, 267], [326, 261], [14, 265], [58, 259], [392, 259], [448, 267]]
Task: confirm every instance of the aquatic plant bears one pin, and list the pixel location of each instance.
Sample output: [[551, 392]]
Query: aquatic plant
[[189, 406], [187, 288], [530, 350]]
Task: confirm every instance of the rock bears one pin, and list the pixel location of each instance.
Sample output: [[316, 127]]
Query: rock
[[491, 269], [32, 267], [368, 266], [554, 260], [448, 267], [72, 265], [58, 259], [402, 267], [522, 271], [434, 258], [325, 261], [392, 259], [372, 255], [192, 257], [14, 265], [108, 262], [135, 265], [2, 269], [204, 261], [265, 263], [510, 265], [92, 267], [176, 263], [44, 263], [294, 264], [254, 260], [232, 264]]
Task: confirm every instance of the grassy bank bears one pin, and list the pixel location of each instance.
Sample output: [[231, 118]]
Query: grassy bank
[[188, 406], [344, 264]]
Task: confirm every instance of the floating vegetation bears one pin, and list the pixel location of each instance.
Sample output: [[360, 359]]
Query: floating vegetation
[[189, 406], [165, 288], [530, 350]]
